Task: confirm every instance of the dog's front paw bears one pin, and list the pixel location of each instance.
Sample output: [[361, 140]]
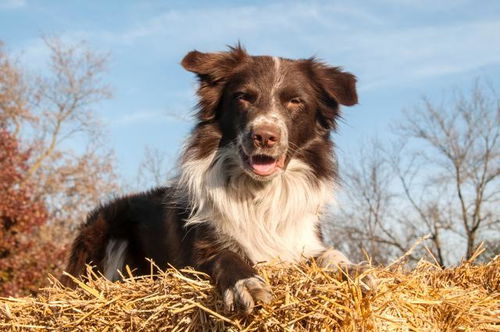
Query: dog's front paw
[[243, 295], [332, 259]]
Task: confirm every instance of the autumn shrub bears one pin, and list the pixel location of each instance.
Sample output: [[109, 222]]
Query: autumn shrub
[[24, 261]]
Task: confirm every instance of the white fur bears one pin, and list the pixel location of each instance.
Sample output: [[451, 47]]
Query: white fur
[[274, 219], [278, 80], [278, 75], [114, 259]]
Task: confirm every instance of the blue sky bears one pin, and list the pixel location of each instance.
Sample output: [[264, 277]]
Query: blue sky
[[399, 49]]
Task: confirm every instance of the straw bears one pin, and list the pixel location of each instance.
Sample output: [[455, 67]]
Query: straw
[[306, 298]]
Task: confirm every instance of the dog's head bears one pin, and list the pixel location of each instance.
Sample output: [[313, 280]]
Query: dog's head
[[269, 108]]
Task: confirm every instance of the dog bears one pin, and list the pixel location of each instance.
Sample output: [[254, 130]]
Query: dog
[[256, 176]]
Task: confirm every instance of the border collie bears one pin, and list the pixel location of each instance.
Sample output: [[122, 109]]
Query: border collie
[[256, 176]]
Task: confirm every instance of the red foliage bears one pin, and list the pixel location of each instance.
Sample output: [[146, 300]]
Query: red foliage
[[24, 261]]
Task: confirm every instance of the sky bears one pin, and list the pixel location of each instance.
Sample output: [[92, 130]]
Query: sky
[[400, 50]]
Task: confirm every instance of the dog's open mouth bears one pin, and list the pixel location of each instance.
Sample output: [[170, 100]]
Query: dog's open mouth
[[264, 165]]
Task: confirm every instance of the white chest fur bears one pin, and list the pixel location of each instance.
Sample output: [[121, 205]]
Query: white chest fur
[[274, 220]]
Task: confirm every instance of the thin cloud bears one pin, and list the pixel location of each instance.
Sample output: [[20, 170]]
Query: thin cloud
[[142, 117], [12, 4], [352, 35], [221, 23], [138, 117], [426, 52], [381, 51]]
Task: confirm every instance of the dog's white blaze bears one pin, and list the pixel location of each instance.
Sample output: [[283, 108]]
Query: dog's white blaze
[[278, 80], [269, 220], [114, 259], [278, 76], [273, 116]]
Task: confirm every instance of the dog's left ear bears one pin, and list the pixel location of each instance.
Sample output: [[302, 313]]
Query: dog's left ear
[[334, 87], [339, 85]]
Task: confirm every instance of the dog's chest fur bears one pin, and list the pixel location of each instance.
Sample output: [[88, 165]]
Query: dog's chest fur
[[274, 220]]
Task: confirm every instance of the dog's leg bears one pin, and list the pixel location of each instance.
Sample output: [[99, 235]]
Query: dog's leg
[[237, 281], [334, 260]]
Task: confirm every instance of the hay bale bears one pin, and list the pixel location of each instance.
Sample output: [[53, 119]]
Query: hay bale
[[306, 298]]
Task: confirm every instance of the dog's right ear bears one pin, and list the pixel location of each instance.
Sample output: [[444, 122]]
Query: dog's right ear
[[212, 70], [213, 66]]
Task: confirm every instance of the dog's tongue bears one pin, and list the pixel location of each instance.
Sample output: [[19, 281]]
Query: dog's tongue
[[263, 165]]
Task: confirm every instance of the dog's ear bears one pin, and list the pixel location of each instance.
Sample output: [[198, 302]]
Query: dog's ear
[[213, 66], [212, 70], [335, 87], [338, 84]]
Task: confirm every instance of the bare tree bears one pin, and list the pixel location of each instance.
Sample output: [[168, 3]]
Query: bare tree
[[461, 139], [50, 112], [365, 219], [439, 176], [14, 95], [64, 98], [155, 168]]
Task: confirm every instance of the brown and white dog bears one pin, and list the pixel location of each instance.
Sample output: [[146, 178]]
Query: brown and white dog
[[255, 178]]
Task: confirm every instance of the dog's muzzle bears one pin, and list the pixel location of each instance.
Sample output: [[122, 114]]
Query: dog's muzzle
[[262, 151]]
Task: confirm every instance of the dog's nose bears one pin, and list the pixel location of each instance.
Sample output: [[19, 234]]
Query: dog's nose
[[265, 136]]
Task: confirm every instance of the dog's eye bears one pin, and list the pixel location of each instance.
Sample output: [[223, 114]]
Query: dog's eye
[[243, 96], [295, 103]]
